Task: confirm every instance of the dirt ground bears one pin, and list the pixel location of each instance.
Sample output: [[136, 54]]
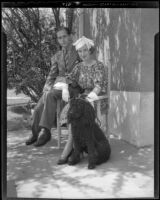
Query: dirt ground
[[33, 172]]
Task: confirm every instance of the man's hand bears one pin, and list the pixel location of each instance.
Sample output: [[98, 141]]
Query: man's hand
[[60, 86], [65, 94], [64, 88], [46, 88]]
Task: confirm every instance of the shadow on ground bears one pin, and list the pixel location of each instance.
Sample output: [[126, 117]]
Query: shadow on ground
[[36, 168]]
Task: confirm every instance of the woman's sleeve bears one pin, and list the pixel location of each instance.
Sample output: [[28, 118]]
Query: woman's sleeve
[[99, 75]]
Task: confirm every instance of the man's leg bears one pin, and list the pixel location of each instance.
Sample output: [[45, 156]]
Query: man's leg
[[48, 116], [35, 121]]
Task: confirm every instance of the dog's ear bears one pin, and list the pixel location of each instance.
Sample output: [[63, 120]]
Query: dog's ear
[[89, 114]]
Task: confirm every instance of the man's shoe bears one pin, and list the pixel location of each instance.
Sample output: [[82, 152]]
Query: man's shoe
[[31, 140], [43, 138]]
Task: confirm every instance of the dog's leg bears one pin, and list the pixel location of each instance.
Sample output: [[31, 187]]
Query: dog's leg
[[91, 155]]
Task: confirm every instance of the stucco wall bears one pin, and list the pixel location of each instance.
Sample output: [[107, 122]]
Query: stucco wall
[[125, 39], [125, 42], [149, 27]]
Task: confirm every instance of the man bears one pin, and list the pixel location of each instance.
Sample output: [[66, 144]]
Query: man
[[44, 114]]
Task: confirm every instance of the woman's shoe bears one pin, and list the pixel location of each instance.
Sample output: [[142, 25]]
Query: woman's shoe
[[62, 161]]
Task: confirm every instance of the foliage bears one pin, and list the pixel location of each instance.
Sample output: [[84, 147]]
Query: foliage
[[31, 41]]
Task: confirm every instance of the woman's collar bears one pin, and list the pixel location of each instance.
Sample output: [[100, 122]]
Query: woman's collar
[[91, 63]]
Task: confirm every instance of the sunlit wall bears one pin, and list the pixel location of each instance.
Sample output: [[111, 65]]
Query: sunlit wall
[[124, 39]]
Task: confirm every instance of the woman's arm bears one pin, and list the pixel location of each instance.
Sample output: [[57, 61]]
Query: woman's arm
[[98, 77]]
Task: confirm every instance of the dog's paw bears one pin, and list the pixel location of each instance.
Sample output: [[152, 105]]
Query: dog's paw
[[91, 166]]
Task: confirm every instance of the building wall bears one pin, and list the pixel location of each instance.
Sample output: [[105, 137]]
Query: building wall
[[124, 40], [149, 27], [117, 34]]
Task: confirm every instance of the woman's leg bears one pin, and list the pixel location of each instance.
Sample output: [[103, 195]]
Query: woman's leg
[[68, 148]]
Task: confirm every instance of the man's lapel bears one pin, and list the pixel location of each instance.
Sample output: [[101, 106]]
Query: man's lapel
[[72, 58]]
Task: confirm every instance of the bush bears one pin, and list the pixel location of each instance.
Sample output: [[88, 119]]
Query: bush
[[31, 41]]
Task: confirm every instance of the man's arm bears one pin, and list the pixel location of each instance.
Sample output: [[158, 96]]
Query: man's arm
[[52, 75]]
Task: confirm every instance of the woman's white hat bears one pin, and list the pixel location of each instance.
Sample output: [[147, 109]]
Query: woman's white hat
[[83, 41]]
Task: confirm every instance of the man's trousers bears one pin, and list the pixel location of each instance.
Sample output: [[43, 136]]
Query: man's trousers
[[45, 111]]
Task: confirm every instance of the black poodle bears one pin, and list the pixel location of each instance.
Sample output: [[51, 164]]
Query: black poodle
[[87, 135]]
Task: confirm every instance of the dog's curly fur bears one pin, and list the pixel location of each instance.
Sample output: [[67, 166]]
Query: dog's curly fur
[[87, 135]]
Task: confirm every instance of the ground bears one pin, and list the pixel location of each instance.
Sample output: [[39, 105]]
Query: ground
[[33, 171]]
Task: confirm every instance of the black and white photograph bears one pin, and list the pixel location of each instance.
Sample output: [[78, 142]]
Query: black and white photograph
[[79, 93]]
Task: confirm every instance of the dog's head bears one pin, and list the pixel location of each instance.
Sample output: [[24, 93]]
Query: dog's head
[[75, 90], [81, 110]]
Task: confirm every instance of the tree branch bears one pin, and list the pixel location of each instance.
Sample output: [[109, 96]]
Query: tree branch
[[56, 13], [13, 24]]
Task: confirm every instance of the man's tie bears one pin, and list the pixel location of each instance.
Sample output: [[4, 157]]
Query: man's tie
[[65, 54]]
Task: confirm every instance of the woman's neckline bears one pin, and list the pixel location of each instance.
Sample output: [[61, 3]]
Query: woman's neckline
[[90, 64]]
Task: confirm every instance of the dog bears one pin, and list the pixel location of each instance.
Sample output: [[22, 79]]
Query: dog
[[87, 135], [75, 90]]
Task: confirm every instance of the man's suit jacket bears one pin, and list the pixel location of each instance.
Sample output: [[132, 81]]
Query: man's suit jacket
[[58, 70]]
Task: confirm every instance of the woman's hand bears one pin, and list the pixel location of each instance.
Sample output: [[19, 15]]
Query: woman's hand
[[92, 96]]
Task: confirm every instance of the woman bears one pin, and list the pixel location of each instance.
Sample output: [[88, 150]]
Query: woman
[[90, 75]]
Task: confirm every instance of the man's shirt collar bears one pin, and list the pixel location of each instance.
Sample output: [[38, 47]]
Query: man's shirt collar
[[68, 48]]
